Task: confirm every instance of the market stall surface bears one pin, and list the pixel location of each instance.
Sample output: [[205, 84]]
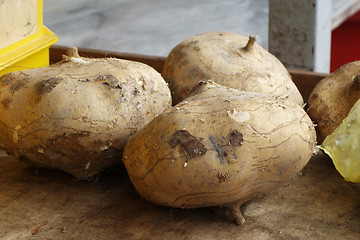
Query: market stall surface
[[49, 204]]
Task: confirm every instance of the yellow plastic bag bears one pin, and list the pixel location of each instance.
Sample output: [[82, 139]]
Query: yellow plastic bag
[[343, 145]]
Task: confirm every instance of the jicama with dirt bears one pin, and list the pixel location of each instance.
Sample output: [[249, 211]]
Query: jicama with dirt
[[219, 147], [78, 114]]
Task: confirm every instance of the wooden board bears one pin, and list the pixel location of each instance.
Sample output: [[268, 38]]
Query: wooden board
[[50, 204]]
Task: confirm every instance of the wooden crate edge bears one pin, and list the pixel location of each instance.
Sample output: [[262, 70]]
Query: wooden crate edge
[[304, 80]]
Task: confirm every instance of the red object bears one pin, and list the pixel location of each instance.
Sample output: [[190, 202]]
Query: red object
[[345, 42]]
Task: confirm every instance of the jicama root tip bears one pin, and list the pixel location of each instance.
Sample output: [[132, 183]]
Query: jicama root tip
[[250, 43], [72, 52], [236, 212]]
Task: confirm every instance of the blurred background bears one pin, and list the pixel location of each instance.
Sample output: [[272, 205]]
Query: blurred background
[[150, 27], [154, 27]]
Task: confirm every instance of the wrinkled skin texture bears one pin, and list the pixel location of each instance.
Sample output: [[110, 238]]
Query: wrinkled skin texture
[[78, 114], [219, 147], [228, 59], [333, 97]]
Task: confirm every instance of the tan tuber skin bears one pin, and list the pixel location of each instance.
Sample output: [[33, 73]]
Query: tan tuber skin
[[77, 115], [228, 59], [219, 147], [333, 97]]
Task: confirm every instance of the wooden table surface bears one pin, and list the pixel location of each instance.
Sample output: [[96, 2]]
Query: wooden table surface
[[49, 204]]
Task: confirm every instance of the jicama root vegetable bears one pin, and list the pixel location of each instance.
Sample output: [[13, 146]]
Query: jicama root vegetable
[[219, 147], [77, 115], [229, 59], [333, 97]]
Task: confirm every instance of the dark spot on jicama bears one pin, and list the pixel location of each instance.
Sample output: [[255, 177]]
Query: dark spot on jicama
[[190, 144], [143, 83], [315, 96], [48, 85], [6, 102], [14, 78], [223, 177], [112, 80], [7, 79], [236, 138], [221, 153], [84, 80], [109, 80], [17, 86], [136, 91], [16, 81]]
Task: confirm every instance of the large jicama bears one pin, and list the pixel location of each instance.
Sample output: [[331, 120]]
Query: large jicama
[[77, 115], [219, 147], [229, 59]]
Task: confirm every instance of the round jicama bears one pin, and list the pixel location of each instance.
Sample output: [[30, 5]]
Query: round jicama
[[229, 59], [219, 147]]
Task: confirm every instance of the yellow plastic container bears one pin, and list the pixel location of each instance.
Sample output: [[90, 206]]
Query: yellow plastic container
[[24, 40]]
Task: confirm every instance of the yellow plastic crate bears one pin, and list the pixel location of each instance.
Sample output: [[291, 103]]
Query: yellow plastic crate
[[24, 40]]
